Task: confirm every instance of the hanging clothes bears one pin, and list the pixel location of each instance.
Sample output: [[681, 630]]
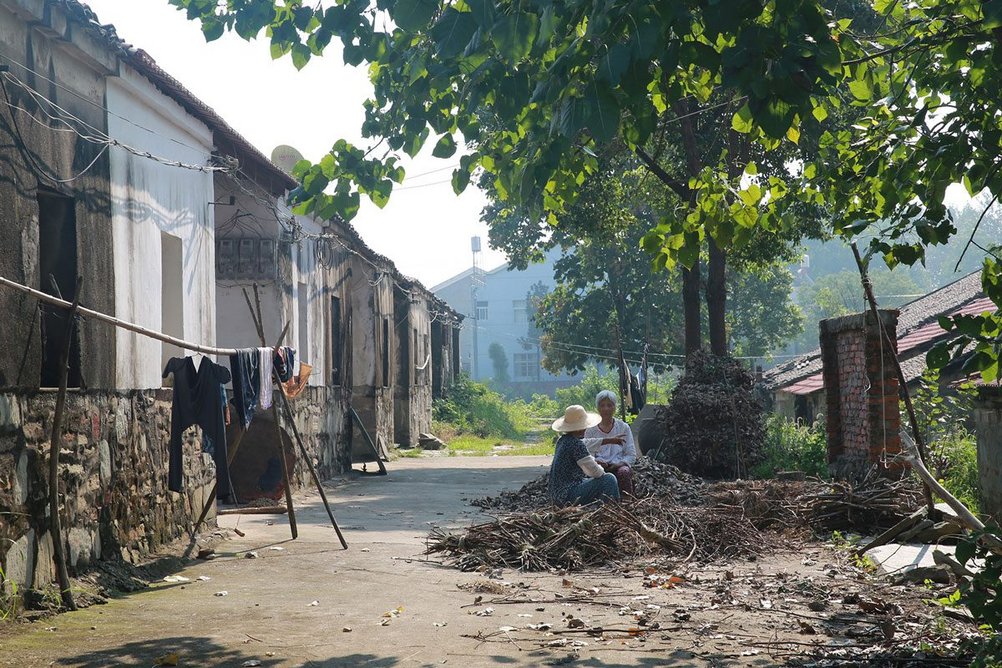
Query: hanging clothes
[[297, 383], [266, 367], [246, 383], [285, 359], [198, 399]]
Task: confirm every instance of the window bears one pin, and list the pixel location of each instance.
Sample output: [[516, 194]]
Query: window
[[526, 366], [481, 310], [171, 294], [386, 352], [521, 311], [57, 261], [336, 341]]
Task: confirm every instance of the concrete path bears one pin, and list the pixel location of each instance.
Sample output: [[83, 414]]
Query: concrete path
[[268, 612]]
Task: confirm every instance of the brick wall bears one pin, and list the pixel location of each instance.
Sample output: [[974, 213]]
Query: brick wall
[[861, 391]]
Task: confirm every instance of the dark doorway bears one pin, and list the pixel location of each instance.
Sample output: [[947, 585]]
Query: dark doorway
[[57, 259]]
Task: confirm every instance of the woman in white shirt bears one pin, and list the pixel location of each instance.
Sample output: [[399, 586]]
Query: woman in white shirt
[[611, 443]]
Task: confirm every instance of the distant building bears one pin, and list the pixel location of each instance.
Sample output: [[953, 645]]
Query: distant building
[[496, 307]]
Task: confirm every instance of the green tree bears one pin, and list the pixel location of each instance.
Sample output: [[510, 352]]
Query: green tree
[[499, 360]]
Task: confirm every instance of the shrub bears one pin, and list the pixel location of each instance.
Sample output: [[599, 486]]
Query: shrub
[[594, 381], [474, 408], [954, 460], [793, 446]]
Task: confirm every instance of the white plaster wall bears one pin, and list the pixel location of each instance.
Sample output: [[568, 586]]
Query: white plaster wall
[[148, 198]]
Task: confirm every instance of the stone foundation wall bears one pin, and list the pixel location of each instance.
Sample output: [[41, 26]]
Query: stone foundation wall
[[320, 414], [113, 466], [861, 392]]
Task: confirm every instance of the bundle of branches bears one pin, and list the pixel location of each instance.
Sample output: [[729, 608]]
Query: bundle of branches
[[651, 478], [767, 504], [573, 538], [873, 503], [713, 426]]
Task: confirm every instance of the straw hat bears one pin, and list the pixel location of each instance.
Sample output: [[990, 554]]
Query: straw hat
[[576, 418]]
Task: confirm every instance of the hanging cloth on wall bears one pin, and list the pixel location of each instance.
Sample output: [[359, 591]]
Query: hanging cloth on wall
[[266, 366], [297, 383], [246, 383], [198, 400]]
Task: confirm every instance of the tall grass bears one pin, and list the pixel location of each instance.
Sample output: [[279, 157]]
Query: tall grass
[[793, 446]]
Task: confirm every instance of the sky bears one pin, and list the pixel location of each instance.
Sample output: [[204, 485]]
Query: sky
[[425, 229]]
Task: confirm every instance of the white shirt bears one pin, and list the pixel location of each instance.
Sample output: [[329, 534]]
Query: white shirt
[[612, 453]]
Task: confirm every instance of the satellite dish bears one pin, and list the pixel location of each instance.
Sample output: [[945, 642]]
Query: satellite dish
[[285, 158]]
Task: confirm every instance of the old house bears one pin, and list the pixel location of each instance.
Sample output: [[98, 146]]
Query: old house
[[106, 176]]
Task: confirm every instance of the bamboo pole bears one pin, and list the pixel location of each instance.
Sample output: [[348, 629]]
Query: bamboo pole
[[118, 322], [55, 528]]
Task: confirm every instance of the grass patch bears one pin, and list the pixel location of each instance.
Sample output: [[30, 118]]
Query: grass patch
[[470, 445]]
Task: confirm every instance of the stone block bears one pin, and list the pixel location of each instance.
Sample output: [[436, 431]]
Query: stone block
[[44, 567], [19, 563], [104, 462]]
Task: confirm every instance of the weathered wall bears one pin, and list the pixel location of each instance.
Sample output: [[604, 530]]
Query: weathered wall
[[151, 200], [988, 425], [412, 396], [371, 298], [57, 155], [861, 390], [113, 480]]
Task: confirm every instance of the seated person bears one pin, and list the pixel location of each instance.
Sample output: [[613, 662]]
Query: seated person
[[575, 477], [611, 442]]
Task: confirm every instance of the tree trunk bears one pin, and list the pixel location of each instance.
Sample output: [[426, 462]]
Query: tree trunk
[[716, 298], [691, 309]]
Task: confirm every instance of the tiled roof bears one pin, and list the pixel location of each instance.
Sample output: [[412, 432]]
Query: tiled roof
[[918, 328]]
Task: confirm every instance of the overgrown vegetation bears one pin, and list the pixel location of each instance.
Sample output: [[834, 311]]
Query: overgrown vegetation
[[982, 593], [793, 446], [475, 419], [593, 381], [10, 601], [943, 414]]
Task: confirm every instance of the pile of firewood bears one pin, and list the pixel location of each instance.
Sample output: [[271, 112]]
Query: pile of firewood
[[573, 538], [714, 424]]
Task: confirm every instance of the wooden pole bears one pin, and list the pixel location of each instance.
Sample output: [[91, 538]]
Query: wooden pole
[[902, 382], [313, 470], [55, 529], [258, 317], [368, 439]]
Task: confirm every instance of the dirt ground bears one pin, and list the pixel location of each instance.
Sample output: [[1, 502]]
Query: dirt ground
[[381, 603]]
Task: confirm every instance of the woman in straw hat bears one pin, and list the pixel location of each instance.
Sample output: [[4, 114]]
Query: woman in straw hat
[[575, 476]]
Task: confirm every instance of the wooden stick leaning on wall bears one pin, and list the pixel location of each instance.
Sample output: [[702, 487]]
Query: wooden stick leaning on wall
[[902, 381], [295, 430], [257, 317], [55, 528]]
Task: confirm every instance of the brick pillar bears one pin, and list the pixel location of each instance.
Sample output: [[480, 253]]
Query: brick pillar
[[861, 392], [988, 424]]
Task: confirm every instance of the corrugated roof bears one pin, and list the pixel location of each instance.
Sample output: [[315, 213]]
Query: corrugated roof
[[917, 319]]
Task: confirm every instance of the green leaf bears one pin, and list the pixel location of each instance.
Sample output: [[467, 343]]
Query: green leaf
[[412, 15], [300, 56], [483, 12], [614, 63], [453, 32], [860, 89], [445, 148], [793, 134], [513, 35], [603, 120], [742, 121], [212, 29], [820, 113]]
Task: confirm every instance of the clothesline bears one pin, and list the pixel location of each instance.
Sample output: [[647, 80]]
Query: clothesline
[[118, 322]]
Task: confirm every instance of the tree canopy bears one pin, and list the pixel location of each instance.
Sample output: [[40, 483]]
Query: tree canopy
[[535, 88]]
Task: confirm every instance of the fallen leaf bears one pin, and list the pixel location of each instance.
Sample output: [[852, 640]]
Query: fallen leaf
[[222, 593], [176, 578], [346, 629], [568, 583], [167, 660], [765, 604], [250, 663], [313, 604]]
